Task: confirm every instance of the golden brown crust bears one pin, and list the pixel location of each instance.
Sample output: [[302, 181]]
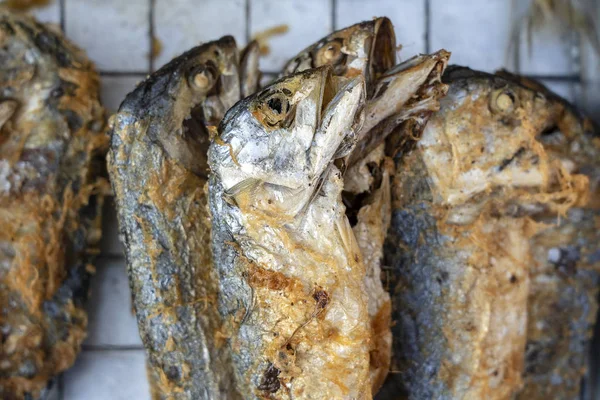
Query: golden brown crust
[[50, 203]]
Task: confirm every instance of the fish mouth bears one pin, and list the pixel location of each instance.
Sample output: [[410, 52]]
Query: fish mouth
[[382, 55]]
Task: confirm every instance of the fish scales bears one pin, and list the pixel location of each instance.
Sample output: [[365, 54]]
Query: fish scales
[[464, 201], [51, 193], [158, 168], [395, 94], [291, 272], [565, 270]]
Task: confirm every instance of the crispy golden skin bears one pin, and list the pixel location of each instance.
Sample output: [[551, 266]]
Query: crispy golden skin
[[51, 151]]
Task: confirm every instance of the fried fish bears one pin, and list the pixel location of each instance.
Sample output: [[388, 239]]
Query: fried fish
[[395, 94], [565, 269], [52, 146], [158, 168], [292, 287], [464, 198]]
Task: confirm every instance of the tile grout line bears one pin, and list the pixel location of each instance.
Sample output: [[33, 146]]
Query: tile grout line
[[61, 387], [111, 347], [151, 34], [123, 73], [427, 26], [247, 11], [61, 10], [333, 15]]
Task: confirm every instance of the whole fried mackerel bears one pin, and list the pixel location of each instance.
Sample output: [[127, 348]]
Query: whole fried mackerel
[[292, 287], [395, 93], [565, 269], [158, 167], [463, 200], [52, 145]]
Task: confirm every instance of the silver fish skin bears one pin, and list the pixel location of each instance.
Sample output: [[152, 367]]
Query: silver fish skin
[[158, 168], [565, 269], [395, 94], [463, 201], [52, 187], [291, 272]]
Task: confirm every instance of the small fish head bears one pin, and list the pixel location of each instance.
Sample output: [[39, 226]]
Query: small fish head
[[277, 143], [184, 97], [367, 48], [485, 137]]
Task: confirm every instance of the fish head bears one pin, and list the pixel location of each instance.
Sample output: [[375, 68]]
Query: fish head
[[367, 48], [181, 100], [485, 141], [278, 143]]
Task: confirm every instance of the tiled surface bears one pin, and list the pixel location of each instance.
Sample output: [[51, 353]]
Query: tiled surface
[[116, 34], [114, 89], [475, 31], [107, 375], [308, 21], [408, 17], [113, 32], [111, 319], [180, 25]]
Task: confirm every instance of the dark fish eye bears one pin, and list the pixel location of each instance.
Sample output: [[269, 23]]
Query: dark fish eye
[[329, 54], [276, 109], [203, 77]]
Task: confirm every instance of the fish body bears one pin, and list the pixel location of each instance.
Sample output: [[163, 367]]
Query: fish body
[[291, 273], [158, 168], [51, 150], [395, 94], [464, 200], [565, 269]]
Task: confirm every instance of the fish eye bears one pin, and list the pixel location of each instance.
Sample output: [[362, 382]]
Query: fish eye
[[329, 54], [503, 101], [203, 77], [276, 110]]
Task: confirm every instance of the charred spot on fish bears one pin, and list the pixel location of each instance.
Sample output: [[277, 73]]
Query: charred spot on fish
[[7, 27], [173, 373], [322, 298], [505, 163], [513, 279], [503, 101], [270, 380], [73, 120]]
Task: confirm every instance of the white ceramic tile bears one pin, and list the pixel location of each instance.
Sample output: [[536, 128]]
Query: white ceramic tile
[[183, 24], [110, 243], [549, 53], [114, 33], [107, 375], [113, 89], [408, 17], [47, 14], [475, 31], [111, 321], [561, 88], [308, 21]]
